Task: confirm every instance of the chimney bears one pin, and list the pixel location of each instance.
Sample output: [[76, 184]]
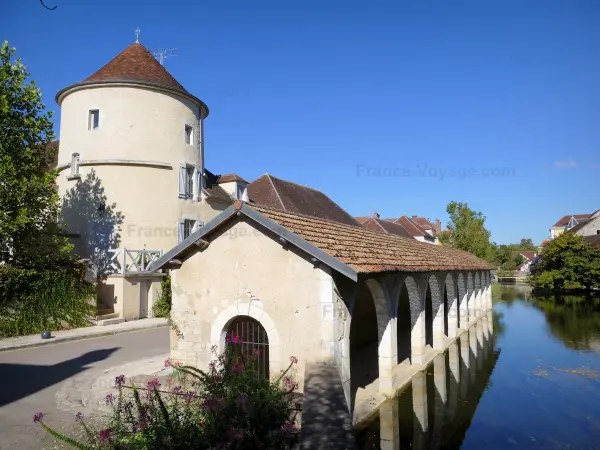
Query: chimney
[[438, 226], [414, 217], [375, 215]]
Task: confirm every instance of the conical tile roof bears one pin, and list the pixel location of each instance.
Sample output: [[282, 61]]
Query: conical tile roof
[[136, 63]]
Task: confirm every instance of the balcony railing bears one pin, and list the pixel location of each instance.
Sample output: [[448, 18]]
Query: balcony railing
[[127, 261]]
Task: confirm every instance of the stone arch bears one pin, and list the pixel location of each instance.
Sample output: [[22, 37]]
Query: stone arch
[[463, 307], [408, 306], [470, 297], [415, 295], [434, 312], [477, 294], [255, 310], [451, 299]]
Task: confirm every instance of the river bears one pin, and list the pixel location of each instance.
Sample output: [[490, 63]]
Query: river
[[533, 382]]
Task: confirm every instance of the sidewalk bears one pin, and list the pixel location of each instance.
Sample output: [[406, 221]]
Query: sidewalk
[[80, 333]]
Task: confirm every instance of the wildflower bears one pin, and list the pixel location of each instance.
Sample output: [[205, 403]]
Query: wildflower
[[152, 384], [287, 426], [236, 367], [256, 351], [38, 416], [237, 339], [188, 395], [105, 435], [212, 404], [203, 424], [79, 416], [120, 380], [109, 399], [293, 360], [167, 363], [176, 389]]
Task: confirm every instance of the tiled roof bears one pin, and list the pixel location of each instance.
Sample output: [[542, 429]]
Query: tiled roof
[[273, 192], [411, 227], [368, 251], [229, 177], [136, 63], [212, 186], [544, 242], [423, 223], [385, 226], [528, 254], [361, 219], [565, 219]]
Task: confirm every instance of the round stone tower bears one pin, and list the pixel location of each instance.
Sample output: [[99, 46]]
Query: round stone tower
[[131, 159]]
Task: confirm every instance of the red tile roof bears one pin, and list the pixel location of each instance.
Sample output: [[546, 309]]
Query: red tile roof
[[273, 192], [411, 227], [229, 177], [528, 254], [136, 63], [368, 251], [544, 242], [385, 226], [565, 219]]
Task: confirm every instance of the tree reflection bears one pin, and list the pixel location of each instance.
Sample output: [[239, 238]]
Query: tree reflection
[[573, 319]]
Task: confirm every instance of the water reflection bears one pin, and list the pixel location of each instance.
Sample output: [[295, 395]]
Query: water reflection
[[436, 409]]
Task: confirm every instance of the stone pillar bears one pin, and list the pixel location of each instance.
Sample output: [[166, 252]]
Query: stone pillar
[[454, 360], [389, 425], [388, 358], [417, 340], [452, 313], [420, 425], [465, 354], [472, 306], [473, 341], [439, 337], [489, 301], [490, 322], [464, 311], [439, 375], [479, 331]]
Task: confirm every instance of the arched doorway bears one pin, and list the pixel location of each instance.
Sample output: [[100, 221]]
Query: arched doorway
[[255, 348]]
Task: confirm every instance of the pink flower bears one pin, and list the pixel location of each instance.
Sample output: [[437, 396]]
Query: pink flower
[[38, 416], [236, 367], [167, 363], [150, 385], [287, 426], [256, 351], [293, 360], [105, 435], [237, 339]]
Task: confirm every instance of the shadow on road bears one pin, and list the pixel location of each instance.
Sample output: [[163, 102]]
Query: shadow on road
[[22, 380]]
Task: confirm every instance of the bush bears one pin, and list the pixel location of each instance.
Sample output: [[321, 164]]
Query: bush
[[32, 301], [228, 407], [162, 307]]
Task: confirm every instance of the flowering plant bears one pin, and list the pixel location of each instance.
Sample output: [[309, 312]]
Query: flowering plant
[[229, 406]]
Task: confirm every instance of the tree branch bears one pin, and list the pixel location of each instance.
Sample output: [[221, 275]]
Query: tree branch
[[47, 7]]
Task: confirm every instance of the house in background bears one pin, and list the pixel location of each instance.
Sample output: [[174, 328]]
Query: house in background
[[375, 223], [566, 223], [589, 226], [529, 258], [419, 228]]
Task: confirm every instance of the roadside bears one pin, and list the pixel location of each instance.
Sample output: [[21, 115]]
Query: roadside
[[80, 333]]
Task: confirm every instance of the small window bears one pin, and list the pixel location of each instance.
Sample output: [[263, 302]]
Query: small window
[[93, 119], [597, 231], [189, 181], [188, 227], [189, 135], [74, 166]]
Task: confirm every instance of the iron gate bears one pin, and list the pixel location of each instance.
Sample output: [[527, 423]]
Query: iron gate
[[255, 348]]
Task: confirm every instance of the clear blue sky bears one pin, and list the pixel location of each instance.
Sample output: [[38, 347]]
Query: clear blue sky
[[368, 101]]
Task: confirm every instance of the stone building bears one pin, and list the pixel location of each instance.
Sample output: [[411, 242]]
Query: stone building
[[370, 308]]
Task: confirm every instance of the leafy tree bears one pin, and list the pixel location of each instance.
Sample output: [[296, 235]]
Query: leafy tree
[[28, 198], [466, 230], [527, 245], [567, 263]]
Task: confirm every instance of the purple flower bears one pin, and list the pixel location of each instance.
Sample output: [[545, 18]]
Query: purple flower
[[188, 395], [38, 416], [176, 389], [120, 380], [79, 416], [167, 363], [152, 384], [236, 367], [105, 435], [109, 399], [293, 360], [237, 339], [287, 426]]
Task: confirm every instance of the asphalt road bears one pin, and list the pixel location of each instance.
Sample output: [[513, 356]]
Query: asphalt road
[[31, 377]]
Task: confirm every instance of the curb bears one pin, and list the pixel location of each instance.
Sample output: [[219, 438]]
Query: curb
[[61, 339]]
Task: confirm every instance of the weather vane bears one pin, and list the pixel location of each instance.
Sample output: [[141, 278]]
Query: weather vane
[[163, 53], [137, 35]]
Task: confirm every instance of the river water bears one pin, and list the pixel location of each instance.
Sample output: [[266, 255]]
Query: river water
[[531, 383]]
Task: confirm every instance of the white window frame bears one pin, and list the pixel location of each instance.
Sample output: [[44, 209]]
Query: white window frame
[[189, 178], [74, 172], [93, 119], [181, 227]]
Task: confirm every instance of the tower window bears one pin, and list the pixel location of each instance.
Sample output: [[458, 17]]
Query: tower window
[[189, 135], [93, 119], [74, 166]]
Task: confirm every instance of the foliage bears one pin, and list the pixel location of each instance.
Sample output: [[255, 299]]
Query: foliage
[[527, 245], [466, 230], [32, 301], [29, 206], [567, 263], [496, 289], [162, 307], [228, 407]]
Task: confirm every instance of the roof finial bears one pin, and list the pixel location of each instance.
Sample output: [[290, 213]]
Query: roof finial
[[137, 35]]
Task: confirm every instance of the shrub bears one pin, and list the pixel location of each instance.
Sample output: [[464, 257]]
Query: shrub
[[32, 301], [227, 407], [162, 307]]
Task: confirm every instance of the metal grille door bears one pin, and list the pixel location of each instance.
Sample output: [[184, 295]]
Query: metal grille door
[[256, 343]]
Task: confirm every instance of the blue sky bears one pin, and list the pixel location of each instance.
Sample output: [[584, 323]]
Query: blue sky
[[396, 107]]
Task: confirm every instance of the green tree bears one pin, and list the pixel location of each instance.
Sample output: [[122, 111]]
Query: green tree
[[567, 263], [29, 203], [527, 245], [466, 230]]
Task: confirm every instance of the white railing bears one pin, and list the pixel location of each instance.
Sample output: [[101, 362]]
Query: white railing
[[131, 261]]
